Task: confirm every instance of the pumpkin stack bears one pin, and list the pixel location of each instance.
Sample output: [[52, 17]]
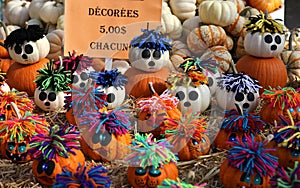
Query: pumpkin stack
[[150, 162], [28, 47], [248, 164], [263, 42]]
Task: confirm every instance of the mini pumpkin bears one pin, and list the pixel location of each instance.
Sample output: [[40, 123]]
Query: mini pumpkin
[[237, 88], [84, 176], [105, 134], [50, 11], [55, 150], [286, 177], [51, 85], [16, 134], [16, 12], [236, 125], [265, 37], [221, 13], [27, 45], [55, 39], [187, 135], [183, 9], [153, 110], [263, 5], [150, 162], [286, 142], [276, 102], [149, 58], [113, 83], [248, 165], [190, 87]]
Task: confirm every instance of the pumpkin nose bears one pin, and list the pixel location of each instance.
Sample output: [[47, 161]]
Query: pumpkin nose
[[151, 63], [273, 47], [187, 104], [246, 105], [24, 56], [47, 103]]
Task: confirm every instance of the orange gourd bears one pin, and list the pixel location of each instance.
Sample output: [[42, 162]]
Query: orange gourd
[[54, 150], [269, 5], [270, 72]]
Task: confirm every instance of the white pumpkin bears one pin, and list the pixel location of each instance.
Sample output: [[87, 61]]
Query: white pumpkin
[[183, 9], [60, 22], [192, 98], [148, 60], [55, 39], [49, 100], [9, 29], [264, 44], [16, 12], [115, 96], [237, 89], [35, 22], [35, 7], [212, 80], [4, 87], [81, 78], [190, 24], [217, 12], [51, 11]]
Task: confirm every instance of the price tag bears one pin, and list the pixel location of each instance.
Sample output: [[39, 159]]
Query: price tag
[[104, 28]]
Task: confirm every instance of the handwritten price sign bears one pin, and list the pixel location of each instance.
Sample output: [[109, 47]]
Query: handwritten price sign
[[104, 28]]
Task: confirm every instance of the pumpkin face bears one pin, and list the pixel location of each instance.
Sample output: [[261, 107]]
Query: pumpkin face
[[16, 152], [30, 52], [233, 177], [264, 45], [80, 78], [49, 100], [195, 98], [150, 177], [148, 60], [45, 171], [286, 157]]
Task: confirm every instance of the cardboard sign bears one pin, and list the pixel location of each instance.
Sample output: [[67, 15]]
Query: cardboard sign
[[104, 28], [292, 8]]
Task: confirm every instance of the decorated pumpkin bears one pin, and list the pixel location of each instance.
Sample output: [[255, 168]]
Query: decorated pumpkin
[[105, 134], [237, 125], [237, 88], [221, 13], [187, 135], [286, 142], [291, 59], [248, 164], [190, 87], [55, 150], [276, 102], [265, 37], [286, 177], [27, 45], [51, 85], [23, 103], [150, 162], [4, 87], [16, 134], [153, 110], [149, 58], [113, 83], [84, 176]]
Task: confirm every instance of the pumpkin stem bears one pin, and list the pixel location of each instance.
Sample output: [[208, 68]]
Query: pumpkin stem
[[150, 84], [4, 28], [16, 109], [233, 67], [26, 25], [266, 14], [239, 109]]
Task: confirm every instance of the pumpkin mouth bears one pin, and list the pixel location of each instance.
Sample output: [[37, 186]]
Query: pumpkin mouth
[[16, 157], [46, 180]]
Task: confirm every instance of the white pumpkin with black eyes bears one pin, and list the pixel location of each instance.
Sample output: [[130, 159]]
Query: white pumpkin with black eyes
[[264, 45], [212, 80], [115, 96], [148, 60], [237, 89], [27, 45], [80, 79], [192, 98], [49, 100]]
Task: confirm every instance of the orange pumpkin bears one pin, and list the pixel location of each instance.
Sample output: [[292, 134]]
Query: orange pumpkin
[[21, 77], [248, 165], [263, 5], [276, 102], [270, 72], [143, 170], [153, 111], [138, 80], [17, 133], [286, 142], [55, 150], [236, 126], [187, 135], [5, 60], [105, 134]]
